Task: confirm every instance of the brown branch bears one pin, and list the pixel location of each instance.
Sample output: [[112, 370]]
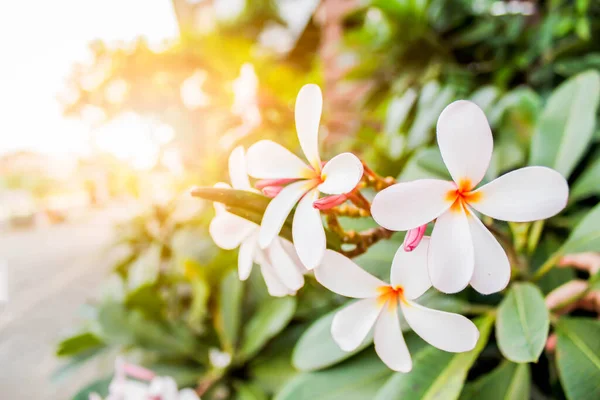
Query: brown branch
[[366, 239]]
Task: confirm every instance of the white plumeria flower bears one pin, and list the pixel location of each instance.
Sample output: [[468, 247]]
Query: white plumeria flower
[[379, 307], [280, 266], [270, 161], [462, 249]]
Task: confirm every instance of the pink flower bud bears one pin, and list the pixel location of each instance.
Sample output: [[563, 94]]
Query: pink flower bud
[[272, 191], [138, 372], [263, 183], [413, 238], [325, 203]]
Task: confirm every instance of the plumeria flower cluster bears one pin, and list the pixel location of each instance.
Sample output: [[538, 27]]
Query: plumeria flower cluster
[[133, 382], [460, 251], [279, 263]]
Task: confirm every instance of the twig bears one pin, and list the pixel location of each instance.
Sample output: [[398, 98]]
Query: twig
[[366, 239]]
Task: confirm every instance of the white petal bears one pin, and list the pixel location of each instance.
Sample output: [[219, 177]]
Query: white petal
[[409, 270], [492, 269], [228, 230], [341, 275], [188, 394], [275, 287], [351, 325], [246, 256], [451, 258], [465, 140], [389, 342], [308, 232], [284, 266], [527, 194], [3, 282], [237, 169], [163, 388], [291, 250], [341, 174], [278, 210], [309, 104], [408, 205], [444, 330], [269, 160]]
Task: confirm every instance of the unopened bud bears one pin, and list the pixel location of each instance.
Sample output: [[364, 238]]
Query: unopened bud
[[328, 202], [413, 238], [272, 191], [263, 183]]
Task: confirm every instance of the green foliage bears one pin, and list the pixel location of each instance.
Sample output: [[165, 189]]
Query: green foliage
[[578, 357], [509, 381], [522, 323]]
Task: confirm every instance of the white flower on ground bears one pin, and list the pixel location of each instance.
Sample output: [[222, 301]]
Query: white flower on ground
[[144, 385], [276, 165], [378, 307], [279, 264], [462, 249]]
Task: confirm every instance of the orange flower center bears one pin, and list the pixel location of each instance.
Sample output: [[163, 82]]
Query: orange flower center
[[462, 195], [391, 295]]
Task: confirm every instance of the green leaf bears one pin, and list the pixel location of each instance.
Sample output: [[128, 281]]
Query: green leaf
[[249, 391], [147, 300], [425, 163], [100, 387], [522, 323], [588, 183], [356, 379], [586, 235], [271, 317], [432, 101], [184, 375], [233, 198], [566, 126], [509, 381], [227, 319], [78, 344], [578, 357], [436, 374]]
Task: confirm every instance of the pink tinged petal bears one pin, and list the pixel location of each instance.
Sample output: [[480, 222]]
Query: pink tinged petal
[[269, 160], [263, 183], [389, 342], [413, 238], [275, 287], [137, 372], [284, 266], [408, 205], [309, 105], [246, 256], [341, 174], [466, 143], [308, 232], [228, 230], [352, 324], [409, 270], [524, 195], [492, 269], [446, 331], [278, 210], [237, 169], [341, 275], [328, 202], [451, 255], [272, 191]]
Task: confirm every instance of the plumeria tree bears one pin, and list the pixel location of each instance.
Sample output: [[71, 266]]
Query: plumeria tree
[[407, 233]]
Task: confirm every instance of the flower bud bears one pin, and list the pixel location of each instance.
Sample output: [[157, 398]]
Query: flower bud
[[328, 202], [413, 238], [272, 191]]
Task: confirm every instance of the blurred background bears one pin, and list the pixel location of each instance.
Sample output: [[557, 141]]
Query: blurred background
[[112, 110]]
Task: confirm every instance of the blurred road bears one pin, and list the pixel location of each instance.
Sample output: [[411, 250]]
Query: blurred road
[[52, 272]]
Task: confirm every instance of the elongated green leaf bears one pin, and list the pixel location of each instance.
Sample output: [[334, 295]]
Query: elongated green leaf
[[436, 374], [566, 125], [100, 387], [588, 184], [233, 198], [227, 321], [356, 379], [586, 235], [78, 344], [425, 163], [509, 381], [249, 391], [578, 357], [271, 317], [522, 324], [431, 102], [316, 348]]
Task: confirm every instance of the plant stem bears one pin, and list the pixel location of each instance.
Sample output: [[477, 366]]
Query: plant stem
[[547, 266]]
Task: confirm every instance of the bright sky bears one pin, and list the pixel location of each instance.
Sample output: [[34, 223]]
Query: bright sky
[[40, 41]]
